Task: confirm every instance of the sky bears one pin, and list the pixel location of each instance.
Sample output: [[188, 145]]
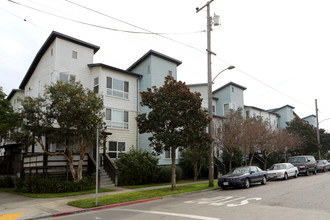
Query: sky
[[280, 48]]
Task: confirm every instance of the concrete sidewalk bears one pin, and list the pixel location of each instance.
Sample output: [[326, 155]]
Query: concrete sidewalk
[[32, 208]]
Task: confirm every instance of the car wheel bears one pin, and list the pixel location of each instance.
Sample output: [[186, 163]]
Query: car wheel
[[315, 171], [285, 176], [264, 180], [295, 174], [246, 183], [223, 187], [307, 172], [323, 170]]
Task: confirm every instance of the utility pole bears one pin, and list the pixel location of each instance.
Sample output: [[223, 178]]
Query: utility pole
[[318, 130], [209, 83]]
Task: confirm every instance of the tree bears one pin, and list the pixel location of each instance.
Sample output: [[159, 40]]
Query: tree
[[230, 138], [175, 118], [307, 133], [69, 115], [8, 118]]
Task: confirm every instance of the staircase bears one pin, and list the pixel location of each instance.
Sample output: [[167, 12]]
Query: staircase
[[106, 182]]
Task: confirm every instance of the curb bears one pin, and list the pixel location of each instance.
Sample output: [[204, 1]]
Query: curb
[[101, 207]]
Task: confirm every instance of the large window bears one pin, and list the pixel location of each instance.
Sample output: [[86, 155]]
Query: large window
[[116, 118], [117, 88], [66, 77], [116, 148]]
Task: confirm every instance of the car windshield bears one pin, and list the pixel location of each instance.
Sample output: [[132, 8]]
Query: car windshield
[[296, 160], [277, 167], [240, 170]]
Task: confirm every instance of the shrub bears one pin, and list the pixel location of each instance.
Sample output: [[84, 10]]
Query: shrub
[[39, 185], [136, 167], [6, 181], [165, 174]]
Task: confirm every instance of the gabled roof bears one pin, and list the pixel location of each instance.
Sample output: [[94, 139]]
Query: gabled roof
[[113, 68], [260, 109], [154, 53], [309, 116], [229, 84], [12, 93], [44, 48], [276, 109]]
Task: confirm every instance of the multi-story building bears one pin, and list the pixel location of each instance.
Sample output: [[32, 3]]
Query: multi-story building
[[63, 58]]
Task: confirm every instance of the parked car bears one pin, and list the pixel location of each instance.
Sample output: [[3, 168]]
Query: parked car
[[282, 171], [322, 165], [243, 176], [304, 163]]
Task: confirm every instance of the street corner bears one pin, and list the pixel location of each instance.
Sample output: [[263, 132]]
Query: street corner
[[10, 216]]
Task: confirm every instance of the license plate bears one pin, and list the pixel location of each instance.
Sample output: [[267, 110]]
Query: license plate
[[225, 183]]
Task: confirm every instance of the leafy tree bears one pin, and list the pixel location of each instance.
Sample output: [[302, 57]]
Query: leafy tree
[[67, 114], [325, 142], [137, 167], [175, 118], [230, 138], [307, 133], [8, 118], [194, 162]]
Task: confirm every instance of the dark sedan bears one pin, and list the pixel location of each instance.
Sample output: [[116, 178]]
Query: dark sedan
[[243, 176]]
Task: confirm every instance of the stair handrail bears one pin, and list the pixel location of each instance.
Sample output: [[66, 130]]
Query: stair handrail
[[219, 162], [111, 168]]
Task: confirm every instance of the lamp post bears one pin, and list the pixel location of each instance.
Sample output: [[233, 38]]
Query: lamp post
[[210, 128]]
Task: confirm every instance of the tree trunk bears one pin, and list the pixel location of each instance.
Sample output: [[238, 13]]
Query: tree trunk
[[251, 159], [80, 163], [173, 180], [266, 158], [195, 163], [230, 160]]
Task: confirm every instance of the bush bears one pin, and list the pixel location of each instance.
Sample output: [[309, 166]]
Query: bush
[[165, 174], [39, 185], [136, 167], [7, 182]]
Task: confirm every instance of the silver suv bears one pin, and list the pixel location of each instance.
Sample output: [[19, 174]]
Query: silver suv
[[305, 164]]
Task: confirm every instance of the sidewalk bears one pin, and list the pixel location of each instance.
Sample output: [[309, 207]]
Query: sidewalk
[[33, 208]]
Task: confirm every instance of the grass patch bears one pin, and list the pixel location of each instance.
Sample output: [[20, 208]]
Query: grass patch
[[133, 196], [55, 195], [156, 184]]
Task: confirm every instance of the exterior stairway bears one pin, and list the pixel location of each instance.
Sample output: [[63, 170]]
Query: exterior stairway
[[106, 182]]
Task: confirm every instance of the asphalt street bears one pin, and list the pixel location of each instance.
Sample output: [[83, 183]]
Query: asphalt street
[[304, 198]]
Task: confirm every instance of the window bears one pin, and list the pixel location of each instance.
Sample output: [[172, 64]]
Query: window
[[232, 89], [60, 148], [96, 85], [213, 109], [117, 88], [66, 77], [116, 119], [167, 154], [226, 108], [116, 148], [247, 114], [170, 73], [51, 52], [74, 54]]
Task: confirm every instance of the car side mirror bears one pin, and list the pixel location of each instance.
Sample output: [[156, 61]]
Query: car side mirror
[[308, 160], [252, 172]]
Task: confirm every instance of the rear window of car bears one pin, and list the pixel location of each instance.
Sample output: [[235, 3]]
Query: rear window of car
[[296, 160]]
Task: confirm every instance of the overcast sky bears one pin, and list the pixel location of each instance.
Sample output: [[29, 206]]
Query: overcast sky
[[281, 48]]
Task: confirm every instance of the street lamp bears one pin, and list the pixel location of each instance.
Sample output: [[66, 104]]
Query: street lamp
[[210, 113], [228, 68]]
